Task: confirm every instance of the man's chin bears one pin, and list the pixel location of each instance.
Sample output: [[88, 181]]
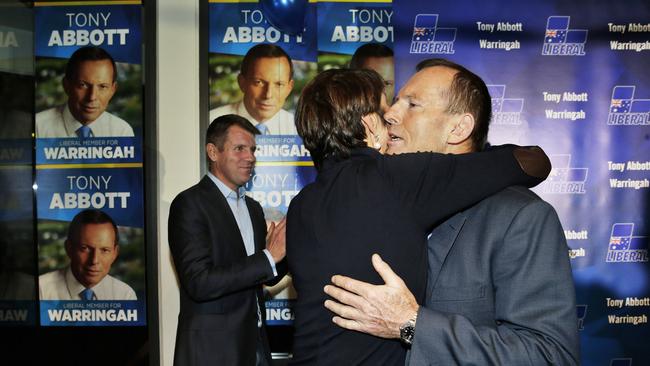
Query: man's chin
[[91, 280], [88, 118], [265, 114]]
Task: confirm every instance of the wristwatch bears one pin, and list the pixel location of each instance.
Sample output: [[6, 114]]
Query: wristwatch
[[407, 330]]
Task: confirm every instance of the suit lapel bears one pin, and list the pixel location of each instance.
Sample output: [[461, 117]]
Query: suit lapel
[[217, 202], [439, 245]]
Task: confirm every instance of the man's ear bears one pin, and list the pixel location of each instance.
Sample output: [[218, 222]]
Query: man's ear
[[291, 85], [211, 150], [463, 127]]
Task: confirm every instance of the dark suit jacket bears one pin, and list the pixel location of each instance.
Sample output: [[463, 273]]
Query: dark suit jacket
[[500, 289], [217, 324], [368, 204]]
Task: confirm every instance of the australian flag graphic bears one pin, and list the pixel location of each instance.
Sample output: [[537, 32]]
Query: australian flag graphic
[[429, 38], [621, 99], [559, 40], [624, 246], [556, 29], [624, 109], [424, 28]]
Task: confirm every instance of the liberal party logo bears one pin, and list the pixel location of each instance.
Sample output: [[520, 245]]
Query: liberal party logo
[[559, 40], [429, 38], [505, 111], [620, 362], [625, 247], [581, 311], [627, 111], [564, 179]]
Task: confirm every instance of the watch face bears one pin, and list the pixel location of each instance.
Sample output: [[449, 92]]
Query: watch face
[[406, 332]]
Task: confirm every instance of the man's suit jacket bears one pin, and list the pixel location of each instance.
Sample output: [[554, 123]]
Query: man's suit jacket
[[500, 289], [219, 282], [372, 203]]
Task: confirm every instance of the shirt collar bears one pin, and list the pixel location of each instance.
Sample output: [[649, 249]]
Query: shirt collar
[[243, 112], [75, 287], [73, 125], [225, 190]]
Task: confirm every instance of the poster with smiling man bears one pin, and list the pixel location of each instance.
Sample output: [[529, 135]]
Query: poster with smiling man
[[89, 177]]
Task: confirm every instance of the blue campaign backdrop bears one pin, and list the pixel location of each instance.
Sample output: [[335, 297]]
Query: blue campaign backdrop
[[73, 174], [94, 150], [92, 313], [347, 25], [61, 30], [571, 77], [62, 193], [236, 27]]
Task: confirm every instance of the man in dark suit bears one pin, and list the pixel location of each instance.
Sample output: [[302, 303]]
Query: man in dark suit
[[500, 290], [217, 238]]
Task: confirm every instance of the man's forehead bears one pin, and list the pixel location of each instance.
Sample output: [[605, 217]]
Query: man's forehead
[[94, 64], [95, 244], [428, 82], [93, 68], [268, 64], [238, 136], [97, 226], [371, 61], [91, 232]]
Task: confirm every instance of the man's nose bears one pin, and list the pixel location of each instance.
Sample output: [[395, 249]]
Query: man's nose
[[250, 156], [268, 91], [94, 257], [92, 93], [392, 115]]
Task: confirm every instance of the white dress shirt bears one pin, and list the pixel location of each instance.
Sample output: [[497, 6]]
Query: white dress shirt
[[237, 203], [281, 123], [62, 285], [59, 122]]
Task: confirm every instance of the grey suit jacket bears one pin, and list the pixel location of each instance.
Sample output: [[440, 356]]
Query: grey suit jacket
[[500, 289]]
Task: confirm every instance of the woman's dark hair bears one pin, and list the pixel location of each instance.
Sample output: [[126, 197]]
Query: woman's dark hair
[[329, 111]]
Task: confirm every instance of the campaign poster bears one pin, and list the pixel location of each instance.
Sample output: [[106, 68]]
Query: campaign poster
[[89, 176], [571, 77], [18, 306], [257, 71], [280, 65], [357, 34]]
